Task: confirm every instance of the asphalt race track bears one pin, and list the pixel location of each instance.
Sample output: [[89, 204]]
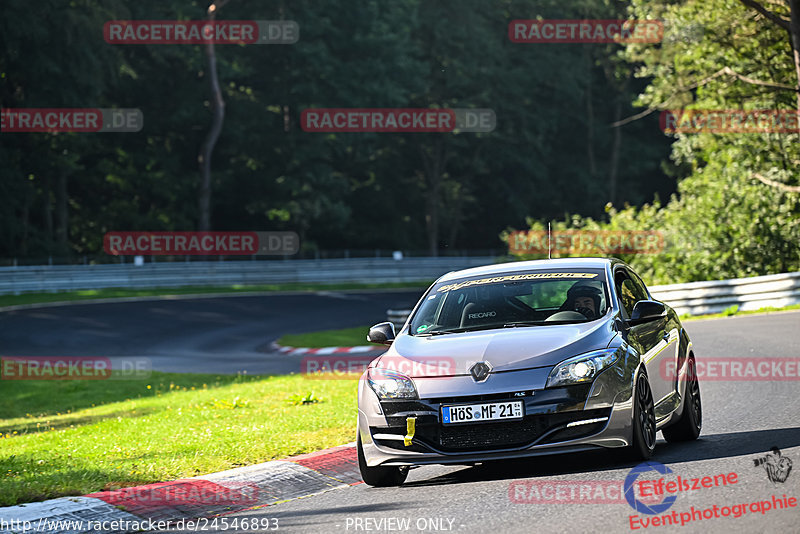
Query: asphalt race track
[[204, 335], [742, 419]]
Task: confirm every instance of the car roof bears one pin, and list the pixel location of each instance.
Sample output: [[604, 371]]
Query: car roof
[[533, 265]]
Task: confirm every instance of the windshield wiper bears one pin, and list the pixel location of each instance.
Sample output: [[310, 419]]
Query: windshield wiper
[[460, 330], [515, 324], [438, 333], [542, 323]]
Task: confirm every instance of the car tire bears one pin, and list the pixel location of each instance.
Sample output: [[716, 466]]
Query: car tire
[[379, 477], [688, 426], [644, 421]]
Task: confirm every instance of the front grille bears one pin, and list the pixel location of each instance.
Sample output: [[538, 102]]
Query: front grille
[[541, 428], [492, 435], [511, 434]]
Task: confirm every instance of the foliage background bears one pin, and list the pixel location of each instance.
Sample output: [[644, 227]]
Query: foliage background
[[554, 155]]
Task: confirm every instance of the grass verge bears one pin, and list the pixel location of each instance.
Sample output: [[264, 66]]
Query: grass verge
[[115, 293], [75, 437], [346, 337], [734, 310]]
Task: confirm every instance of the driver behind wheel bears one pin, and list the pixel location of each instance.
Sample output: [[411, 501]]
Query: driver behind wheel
[[584, 299]]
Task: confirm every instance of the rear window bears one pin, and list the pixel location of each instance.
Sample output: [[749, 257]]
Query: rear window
[[528, 297]]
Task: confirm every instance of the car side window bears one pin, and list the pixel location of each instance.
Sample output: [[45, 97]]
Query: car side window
[[640, 289], [629, 291], [625, 291]]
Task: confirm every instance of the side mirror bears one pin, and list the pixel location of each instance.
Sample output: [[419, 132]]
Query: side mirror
[[381, 333], [647, 310]]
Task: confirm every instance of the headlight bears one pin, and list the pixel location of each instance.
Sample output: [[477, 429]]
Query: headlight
[[389, 384], [581, 369]]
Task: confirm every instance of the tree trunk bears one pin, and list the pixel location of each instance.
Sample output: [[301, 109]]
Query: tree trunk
[[792, 26], [62, 215], [433, 164], [615, 148], [25, 227], [218, 115], [455, 223], [464, 190], [432, 223], [48, 211], [589, 116], [794, 30]]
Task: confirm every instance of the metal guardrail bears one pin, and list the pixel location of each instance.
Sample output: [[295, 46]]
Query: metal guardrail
[[694, 298], [397, 318], [17, 280], [698, 298]]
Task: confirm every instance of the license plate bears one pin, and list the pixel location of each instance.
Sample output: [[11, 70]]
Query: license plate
[[477, 413]]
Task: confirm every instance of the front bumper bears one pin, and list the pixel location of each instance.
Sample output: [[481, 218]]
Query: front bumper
[[555, 421]]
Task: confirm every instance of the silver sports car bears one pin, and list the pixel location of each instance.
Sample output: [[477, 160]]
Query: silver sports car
[[523, 359]]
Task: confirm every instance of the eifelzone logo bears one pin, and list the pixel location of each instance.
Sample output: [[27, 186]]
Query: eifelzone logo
[[481, 315]]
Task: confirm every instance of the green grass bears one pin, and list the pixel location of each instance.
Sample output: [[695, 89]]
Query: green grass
[[76, 437], [346, 337], [734, 310], [111, 293]]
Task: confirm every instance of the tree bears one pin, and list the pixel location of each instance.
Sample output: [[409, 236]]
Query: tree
[[218, 115], [723, 222]]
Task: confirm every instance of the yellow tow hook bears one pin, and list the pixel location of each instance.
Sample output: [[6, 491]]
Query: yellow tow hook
[[410, 429]]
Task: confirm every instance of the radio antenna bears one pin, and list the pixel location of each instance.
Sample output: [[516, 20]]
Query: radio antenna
[[548, 241]]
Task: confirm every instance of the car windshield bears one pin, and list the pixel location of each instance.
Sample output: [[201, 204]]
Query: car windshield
[[532, 298]]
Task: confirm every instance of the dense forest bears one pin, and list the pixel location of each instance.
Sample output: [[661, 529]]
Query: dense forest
[[577, 140]]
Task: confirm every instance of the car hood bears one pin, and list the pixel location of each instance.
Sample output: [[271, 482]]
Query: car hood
[[506, 349]]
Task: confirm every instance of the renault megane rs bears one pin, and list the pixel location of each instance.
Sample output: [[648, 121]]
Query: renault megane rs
[[524, 359]]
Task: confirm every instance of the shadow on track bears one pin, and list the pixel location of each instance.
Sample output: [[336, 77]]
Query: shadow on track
[[708, 447]]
